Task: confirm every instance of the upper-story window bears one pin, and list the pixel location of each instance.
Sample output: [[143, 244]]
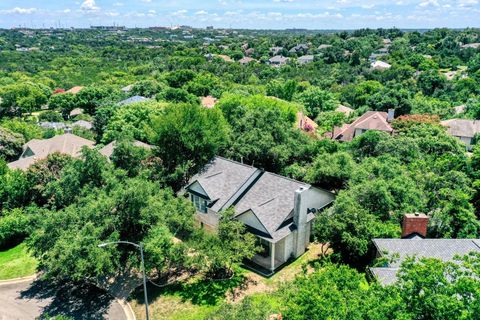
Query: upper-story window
[[200, 203]]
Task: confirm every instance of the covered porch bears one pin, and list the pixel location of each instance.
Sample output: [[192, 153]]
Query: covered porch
[[270, 258]]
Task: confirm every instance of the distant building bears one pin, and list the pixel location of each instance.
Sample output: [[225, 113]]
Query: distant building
[[306, 59], [246, 60], [38, 149], [275, 50], [299, 48], [278, 61], [75, 90], [324, 46], [344, 109], [208, 102], [371, 120], [306, 124], [83, 124], [107, 150], [380, 65], [134, 99], [109, 28], [470, 45], [463, 129]]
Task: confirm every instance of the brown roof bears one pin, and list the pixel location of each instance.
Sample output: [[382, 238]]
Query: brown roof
[[208, 102], [344, 109], [75, 89], [107, 151], [371, 120], [246, 60], [67, 143], [304, 122]]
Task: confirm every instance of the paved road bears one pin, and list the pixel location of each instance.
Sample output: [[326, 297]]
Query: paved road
[[27, 300]]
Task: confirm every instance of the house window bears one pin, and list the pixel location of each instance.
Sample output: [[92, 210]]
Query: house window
[[200, 203]]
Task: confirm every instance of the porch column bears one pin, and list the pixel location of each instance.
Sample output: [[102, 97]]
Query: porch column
[[272, 256]]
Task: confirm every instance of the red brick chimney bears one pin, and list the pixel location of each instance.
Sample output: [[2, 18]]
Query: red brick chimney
[[414, 223]]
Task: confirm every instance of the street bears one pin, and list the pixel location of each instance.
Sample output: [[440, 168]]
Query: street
[[29, 299]]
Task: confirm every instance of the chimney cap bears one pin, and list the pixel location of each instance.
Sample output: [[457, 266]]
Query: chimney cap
[[416, 215]]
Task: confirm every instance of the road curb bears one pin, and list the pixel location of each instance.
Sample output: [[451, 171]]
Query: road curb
[[18, 280], [127, 309]]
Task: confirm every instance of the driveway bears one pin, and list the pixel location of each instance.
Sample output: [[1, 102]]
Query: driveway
[[29, 299]]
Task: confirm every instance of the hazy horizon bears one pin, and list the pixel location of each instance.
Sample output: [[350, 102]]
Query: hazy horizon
[[247, 14]]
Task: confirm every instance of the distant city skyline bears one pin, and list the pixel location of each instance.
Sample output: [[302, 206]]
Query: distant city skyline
[[251, 14]]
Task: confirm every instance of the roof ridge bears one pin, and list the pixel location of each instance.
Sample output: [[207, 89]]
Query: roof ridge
[[236, 162], [287, 178]]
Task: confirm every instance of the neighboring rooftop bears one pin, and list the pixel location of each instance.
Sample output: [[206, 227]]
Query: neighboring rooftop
[[107, 150], [133, 99], [443, 249], [208, 102], [380, 65], [38, 149], [371, 120], [344, 109], [75, 89], [462, 127]]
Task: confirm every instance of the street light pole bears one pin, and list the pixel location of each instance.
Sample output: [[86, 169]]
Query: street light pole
[[140, 247]]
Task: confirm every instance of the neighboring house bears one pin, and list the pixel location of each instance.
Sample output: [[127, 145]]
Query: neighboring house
[[450, 75], [52, 125], [278, 60], [324, 46], [208, 102], [128, 88], [463, 129], [471, 45], [299, 48], [278, 210], [344, 109], [38, 149], [459, 109], [371, 120], [306, 59], [75, 89], [275, 50], [76, 112], [246, 60], [414, 245], [224, 57], [380, 65], [305, 123], [83, 124], [134, 99], [108, 149]]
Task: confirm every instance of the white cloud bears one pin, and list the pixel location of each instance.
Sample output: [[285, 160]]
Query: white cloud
[[118, 4], [18, 10], [89, 5], [201, 12]]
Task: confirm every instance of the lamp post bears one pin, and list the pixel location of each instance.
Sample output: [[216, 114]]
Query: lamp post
[[140, 247]]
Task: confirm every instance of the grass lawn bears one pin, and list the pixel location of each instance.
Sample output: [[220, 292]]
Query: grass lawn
[[16, 262], [178, 303]]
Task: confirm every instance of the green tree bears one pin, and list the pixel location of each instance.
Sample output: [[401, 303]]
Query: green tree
[[10, 144]]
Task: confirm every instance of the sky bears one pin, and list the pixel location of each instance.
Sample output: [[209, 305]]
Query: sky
[[251, 14]]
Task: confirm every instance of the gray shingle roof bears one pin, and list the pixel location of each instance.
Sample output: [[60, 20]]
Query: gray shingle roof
[[133, 99], [222, 178], [271, 198], [443, 249], [462, 127]]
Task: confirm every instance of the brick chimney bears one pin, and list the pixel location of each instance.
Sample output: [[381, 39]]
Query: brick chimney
[[414, 223]]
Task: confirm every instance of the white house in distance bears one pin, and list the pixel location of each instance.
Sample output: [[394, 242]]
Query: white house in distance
[[380, 65], [278, 210]]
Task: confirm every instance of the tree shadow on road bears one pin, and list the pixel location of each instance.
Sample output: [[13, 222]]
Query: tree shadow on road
[[74, 300]]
